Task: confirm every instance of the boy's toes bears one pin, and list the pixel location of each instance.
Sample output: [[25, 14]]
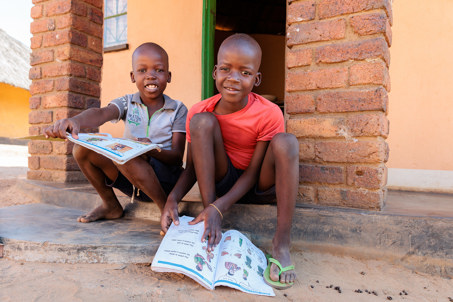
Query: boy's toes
[[274, 273]]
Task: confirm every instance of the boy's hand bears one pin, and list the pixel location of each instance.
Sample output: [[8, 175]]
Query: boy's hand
[[212, 226], [60, 128], [169, 214]]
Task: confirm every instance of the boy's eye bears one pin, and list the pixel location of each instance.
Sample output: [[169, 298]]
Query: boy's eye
[[142, 70], [223, 68], [159, 70], [246, 73]]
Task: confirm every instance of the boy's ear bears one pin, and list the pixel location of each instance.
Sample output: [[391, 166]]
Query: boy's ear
[[132, 77], [258, 79], [169, 77], [214, 72]]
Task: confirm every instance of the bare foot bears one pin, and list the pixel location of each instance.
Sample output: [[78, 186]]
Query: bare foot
[[101, 213], [283, 256]]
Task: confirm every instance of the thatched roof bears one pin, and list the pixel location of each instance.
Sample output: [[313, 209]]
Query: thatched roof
[[14, 61]]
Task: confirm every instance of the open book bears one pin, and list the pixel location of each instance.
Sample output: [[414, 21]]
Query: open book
[[119, 150], [235, 262]]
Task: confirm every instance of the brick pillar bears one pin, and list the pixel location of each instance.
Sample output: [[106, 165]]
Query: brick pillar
[[66, 65], [337, 80]]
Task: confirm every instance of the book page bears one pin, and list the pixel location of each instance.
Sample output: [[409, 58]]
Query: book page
[[241, 265], [117, 149], [181, 251]]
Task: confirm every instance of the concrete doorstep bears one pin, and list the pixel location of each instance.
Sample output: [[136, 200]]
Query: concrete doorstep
[[48, 231]]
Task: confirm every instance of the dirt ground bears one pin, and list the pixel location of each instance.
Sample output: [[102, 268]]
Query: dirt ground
[[321, 277]]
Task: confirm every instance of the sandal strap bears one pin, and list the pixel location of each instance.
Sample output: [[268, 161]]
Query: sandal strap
[[282, 269]]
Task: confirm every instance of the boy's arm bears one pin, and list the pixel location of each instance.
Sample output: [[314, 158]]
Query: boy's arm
[[183, 185], [90, 118], [175, 154], [245, 182]]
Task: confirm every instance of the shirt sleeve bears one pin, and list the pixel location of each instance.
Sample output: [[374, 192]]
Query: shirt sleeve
[[272, 124], [121, 104], [179, 124]]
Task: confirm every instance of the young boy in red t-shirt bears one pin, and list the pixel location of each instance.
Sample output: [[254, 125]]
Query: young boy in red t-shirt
[[238, 151]]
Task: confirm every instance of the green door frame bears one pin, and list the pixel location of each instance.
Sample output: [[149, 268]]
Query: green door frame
[[207, 48]]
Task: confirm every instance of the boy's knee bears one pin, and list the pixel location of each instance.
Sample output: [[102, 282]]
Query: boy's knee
[[79, 152], [202, 121], [286, 143]]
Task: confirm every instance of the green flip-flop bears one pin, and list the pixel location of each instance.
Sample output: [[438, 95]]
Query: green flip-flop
[[267, 278]]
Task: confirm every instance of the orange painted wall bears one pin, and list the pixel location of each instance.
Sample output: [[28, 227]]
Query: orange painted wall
[[421, 101], [14, 111], [176, 26]]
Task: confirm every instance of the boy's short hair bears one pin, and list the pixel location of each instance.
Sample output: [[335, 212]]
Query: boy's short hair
[[241, 39], [153, 46]]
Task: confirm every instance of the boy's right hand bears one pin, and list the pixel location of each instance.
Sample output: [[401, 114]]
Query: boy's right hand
[[60, 128], [169, 215]]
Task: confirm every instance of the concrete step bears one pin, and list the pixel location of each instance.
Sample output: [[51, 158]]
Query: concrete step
[[45, 232]]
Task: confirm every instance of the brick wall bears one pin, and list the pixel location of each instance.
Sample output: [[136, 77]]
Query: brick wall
[[337, 80], [66, 65]]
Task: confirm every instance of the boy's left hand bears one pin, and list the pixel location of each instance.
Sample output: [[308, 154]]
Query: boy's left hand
[[212, 226]]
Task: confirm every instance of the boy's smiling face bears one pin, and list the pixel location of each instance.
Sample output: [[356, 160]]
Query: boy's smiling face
[[236, 71], [150, 72]]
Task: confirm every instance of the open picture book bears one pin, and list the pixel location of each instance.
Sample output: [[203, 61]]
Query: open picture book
[[235, 262], [120, 150]]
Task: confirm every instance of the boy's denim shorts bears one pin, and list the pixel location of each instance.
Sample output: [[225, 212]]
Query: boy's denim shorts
[[253, 196], [167, 174]]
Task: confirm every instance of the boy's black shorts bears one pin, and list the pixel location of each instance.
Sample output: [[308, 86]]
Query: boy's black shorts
[[254, 196], [167, 174]]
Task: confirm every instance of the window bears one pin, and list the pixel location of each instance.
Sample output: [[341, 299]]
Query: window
[[115, 25]]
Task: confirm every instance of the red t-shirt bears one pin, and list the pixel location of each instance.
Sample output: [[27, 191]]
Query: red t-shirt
[[259, 120]]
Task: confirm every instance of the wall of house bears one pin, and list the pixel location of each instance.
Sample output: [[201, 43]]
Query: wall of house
[[421, 107], [14, 112], [177, 27]]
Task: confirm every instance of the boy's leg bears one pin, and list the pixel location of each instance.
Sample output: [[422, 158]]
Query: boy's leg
[[208, 154], [140, 173], [96, 168], [280, 167]]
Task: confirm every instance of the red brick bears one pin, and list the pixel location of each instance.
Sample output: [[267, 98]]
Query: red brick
[[95, 44], [59, 162], [332, 8], [86, 56], [63, 69], [39, 147], [299, 103], [63, 37], [321, 174], [39, 117], [352, 100], [42, 25], [315, 126], [56, 176], [33, 162], [301, 33], [62, 147], [61, 113], [317, 79], [41, 56], [306, 150], [77, 85], [369, 73], [96, 15], [301, 11], [342, 197], [63, 53], [299, 57], [372, 151], [376, 48], [58, 7], [63, 100], [368, 124], [64, 21], [35, 102], [36, 12], [95, 3], [93, 73], [91, 28], [306, 194], [93, 103], [38, 1], [370, 24], [36, 41], [367, 177], [41, 86], [34, 73], [34, 130]]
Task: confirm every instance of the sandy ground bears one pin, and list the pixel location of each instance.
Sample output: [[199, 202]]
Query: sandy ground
[[321, 277]]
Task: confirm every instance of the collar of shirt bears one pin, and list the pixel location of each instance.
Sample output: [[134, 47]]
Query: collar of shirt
[[169, 103]]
